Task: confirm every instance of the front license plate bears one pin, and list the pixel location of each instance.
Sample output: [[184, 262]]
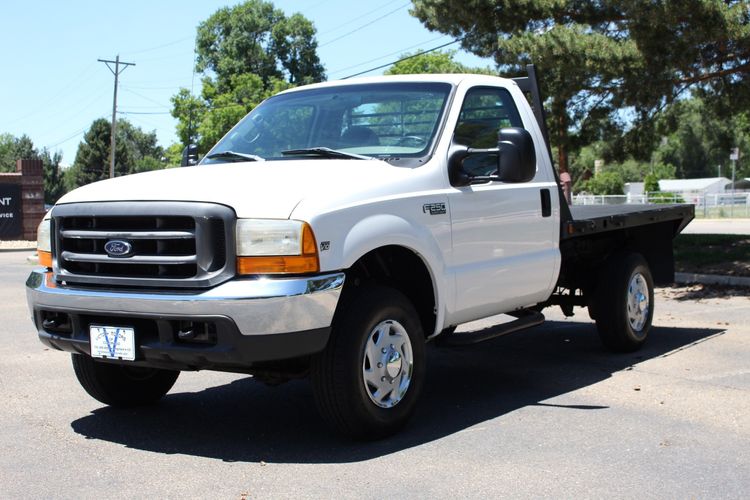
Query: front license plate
[[113, 342]]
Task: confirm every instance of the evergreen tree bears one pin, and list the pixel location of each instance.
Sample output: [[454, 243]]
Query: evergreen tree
[[135, 151], [599, 57]]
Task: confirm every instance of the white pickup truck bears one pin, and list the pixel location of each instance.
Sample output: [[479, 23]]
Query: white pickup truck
[[332, 233]]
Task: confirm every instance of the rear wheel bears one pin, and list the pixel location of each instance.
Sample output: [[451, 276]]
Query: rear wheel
[[123, 386], [368, 379], [624, 303]]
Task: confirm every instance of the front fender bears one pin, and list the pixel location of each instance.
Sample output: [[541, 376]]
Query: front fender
[[382, 230]]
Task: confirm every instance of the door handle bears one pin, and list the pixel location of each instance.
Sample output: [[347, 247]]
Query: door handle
[[546, 203]]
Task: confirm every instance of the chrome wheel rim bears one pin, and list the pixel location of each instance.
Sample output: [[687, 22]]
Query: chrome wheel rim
[[388, 364], [638, 302]]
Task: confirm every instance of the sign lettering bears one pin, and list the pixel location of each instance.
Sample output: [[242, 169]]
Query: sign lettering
[[10, 211]]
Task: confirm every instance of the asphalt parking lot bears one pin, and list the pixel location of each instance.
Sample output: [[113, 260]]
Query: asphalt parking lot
[[545, 413]]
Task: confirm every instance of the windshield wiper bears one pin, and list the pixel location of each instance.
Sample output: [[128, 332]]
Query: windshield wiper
[[234, 156], [325, 153]]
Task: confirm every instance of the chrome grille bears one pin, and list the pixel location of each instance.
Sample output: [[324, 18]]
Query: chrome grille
[[170, 244]]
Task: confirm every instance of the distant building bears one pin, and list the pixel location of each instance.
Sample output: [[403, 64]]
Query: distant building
[[633, 189], [689, 190], [695, 187]]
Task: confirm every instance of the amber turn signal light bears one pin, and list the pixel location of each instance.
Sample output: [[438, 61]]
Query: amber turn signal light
[[45, 258]]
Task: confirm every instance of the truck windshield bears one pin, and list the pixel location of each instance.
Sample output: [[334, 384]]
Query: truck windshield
[[384, 120]]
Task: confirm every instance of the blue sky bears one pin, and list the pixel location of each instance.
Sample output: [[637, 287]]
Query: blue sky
[[52, 86]]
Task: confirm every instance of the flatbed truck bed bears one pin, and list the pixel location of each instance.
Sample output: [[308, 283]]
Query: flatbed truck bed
[[588, 219]]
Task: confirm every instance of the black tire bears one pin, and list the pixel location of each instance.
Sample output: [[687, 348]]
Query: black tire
[[338, 373], [122, 386], [624, 327]]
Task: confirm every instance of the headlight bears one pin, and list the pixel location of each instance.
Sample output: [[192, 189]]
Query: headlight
[[44, 242], [267, 246]]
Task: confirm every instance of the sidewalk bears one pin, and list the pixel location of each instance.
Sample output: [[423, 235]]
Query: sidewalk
[[718, 226], [17, 245]]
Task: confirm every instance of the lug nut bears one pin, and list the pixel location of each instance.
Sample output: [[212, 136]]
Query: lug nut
[[380, 365], [384, 350]]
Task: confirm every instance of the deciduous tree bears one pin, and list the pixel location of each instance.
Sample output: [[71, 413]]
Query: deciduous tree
[[246, 53], [22, 148], [13, 149], [432, 62]]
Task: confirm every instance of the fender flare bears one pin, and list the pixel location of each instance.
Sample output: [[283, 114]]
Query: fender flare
[[392, 230]]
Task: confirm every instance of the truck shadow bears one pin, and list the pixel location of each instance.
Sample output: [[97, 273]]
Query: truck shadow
[[248, 422]]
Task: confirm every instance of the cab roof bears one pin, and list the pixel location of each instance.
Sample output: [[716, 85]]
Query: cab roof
[[451, 78]]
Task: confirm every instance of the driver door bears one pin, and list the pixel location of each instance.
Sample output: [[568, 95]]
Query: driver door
[[504, 247]]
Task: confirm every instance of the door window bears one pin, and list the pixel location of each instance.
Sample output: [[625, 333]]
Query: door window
[[484, 112]]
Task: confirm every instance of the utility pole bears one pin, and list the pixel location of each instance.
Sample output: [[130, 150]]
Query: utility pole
[[112, 142]]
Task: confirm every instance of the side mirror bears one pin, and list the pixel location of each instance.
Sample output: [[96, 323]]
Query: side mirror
[[189, 156], [457, 175], [517, 158]]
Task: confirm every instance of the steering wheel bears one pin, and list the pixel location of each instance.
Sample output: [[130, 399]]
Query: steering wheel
[[411, 140], [256, 127]]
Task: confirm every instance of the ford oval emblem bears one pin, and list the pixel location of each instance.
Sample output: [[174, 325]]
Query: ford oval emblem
[[118, 248]]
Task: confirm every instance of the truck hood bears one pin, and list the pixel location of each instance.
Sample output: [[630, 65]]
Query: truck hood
[[253, 189]]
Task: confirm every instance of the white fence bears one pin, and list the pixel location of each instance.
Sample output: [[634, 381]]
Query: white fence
[[711, 205]]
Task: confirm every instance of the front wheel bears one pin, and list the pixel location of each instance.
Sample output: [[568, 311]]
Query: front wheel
[[120, 385], [368, 379], [624, 303]]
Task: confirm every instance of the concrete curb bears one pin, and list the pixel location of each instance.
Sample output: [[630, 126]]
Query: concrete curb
[[22, 249], [711, 279]]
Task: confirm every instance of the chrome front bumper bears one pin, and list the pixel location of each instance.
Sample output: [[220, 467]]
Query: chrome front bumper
[[265, 306]]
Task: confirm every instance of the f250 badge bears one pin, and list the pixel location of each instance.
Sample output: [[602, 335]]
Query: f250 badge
[[434, 208]]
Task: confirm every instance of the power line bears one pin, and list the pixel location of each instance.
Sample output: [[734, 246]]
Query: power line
[[350, 21], [45, 105], [174, 55], [128, 89], [314, 6], [365, 25], [171, 87], [145, 113], [171, 81], [67, 138], [403, 59], [65, 114], [150, 49], [143, 121], [401, 51], [133, 107], [115, 72]]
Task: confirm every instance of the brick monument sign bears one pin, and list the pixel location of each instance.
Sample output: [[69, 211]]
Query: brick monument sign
[[21, 201]]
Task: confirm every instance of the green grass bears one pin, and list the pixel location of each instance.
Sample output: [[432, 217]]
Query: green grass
[[713, 254]]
